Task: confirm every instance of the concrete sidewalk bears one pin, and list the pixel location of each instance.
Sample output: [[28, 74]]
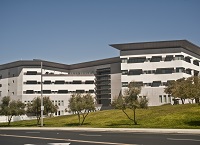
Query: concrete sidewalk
[[139, 130]]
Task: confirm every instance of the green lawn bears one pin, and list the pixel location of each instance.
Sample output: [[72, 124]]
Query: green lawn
[[167, 116]]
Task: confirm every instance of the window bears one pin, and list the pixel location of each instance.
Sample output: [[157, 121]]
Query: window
[[59, 82], [62, 91], [0, 76], [105, 92], [188, 71], [180, 70], [39, 92], [0, 93], [124, 84], [196, 62], [77, 82], [89, 82], [135, 72], [147, 84], [156, 84], [149, 72], [169, 58], [164, 70], [91, 91], [137, 60], [31, 73], [47, 82], [124, 72], [80, 91], [179, 57], [124, 60], [188, 59], [160, 98], [0, 85], [29, 92], [31, 82], [46, 91], [164, 83], [156, 59]]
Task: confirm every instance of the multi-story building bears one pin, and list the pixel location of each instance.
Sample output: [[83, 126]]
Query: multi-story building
[[151, 64]]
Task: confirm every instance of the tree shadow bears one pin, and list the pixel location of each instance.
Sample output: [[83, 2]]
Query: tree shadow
[[2, 125], [75, 124], [18, 125], [122, 125], [193, 123]]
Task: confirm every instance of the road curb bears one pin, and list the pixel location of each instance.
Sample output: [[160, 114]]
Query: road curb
[[128, 130]]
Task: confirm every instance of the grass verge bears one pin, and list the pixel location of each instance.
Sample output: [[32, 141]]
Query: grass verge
[[167, 116]]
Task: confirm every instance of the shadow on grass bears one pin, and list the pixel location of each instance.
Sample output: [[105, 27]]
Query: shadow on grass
[[122, 125], [193, 123], [18, 125], [75, 124]]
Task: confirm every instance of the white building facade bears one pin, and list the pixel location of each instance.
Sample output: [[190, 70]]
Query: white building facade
[[151, 64]]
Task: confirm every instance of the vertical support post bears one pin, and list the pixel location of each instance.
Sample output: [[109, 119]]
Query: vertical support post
[[42, 107]]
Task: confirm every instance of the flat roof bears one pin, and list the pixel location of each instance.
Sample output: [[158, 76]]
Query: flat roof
[[37, 63], [96, 63], [158, 45]]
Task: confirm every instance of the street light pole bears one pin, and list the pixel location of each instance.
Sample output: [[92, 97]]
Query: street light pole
[[42, 107]]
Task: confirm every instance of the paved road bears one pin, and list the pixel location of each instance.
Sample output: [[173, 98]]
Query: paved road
[[80, 137]]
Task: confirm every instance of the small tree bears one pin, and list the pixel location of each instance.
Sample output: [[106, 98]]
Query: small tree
[[11, 108], [81, 105], [131, 101], [35, 107], [49, 108]]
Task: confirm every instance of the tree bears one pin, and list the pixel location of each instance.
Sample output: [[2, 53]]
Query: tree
[[185, 88], [131, 101], [11, 108], [81, 105], [35, 107], [180, 89], [193, 88], [49, 108]]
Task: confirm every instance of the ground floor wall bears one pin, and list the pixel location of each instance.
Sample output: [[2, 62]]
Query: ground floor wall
[[157, 97]]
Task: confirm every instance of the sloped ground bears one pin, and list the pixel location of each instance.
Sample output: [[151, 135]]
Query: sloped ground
[[167, 116]]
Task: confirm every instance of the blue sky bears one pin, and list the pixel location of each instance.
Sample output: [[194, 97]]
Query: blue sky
[[73, 31]]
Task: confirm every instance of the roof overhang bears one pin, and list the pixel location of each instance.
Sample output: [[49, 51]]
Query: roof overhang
[[158, 45]]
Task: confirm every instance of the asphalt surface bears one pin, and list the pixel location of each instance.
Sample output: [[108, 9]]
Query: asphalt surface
[[89, 136]]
